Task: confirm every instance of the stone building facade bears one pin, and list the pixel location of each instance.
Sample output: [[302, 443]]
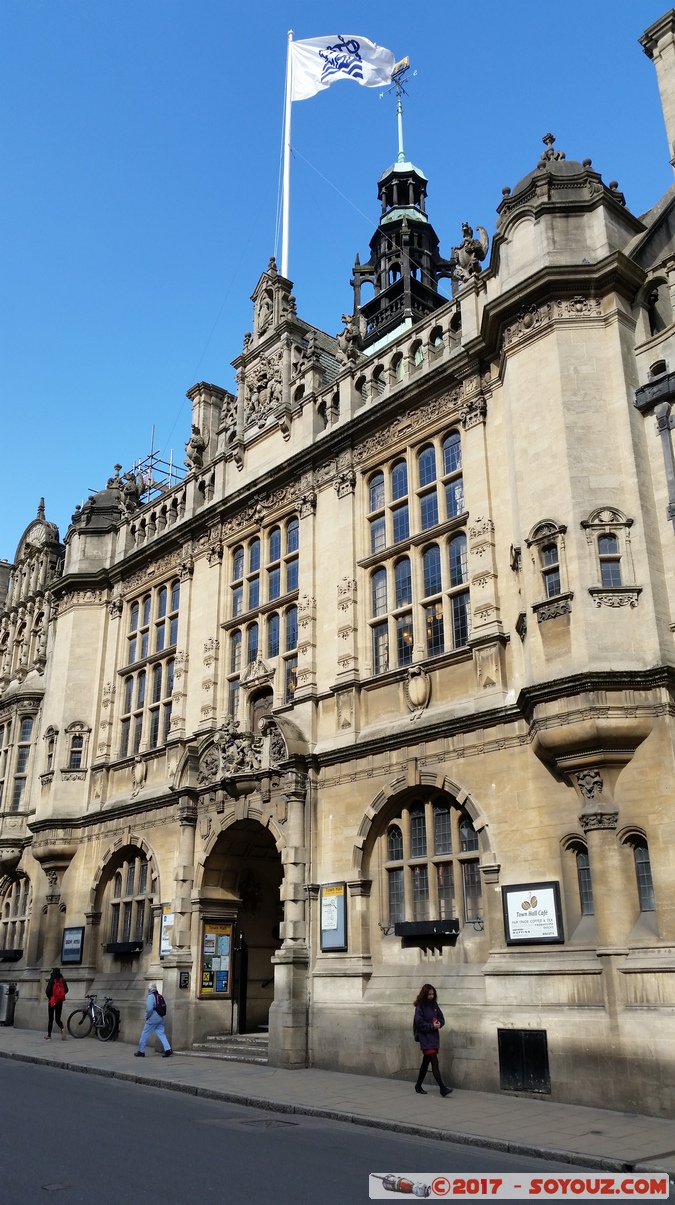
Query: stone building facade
[[282, 734]]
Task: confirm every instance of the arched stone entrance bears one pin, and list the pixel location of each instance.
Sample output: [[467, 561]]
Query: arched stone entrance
[[240, 883]]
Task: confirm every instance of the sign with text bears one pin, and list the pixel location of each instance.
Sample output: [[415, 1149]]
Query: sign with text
[[216, 959], [72, 945], [532, 913], [333, 910]]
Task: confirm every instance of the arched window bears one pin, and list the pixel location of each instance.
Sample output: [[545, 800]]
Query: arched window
[[458, 560], [238, 564], [129, 891], [431, 565], [379, 592], [76, 749], [273, 635], [397, 368], [417, 355], [403, 582], [254, 556], [452, 452], [14, 916], [427, 465], [585, 885], [275, 544], [376, 492], [394, 273], [659, 312], [399, 481], [436, 338], [292, 535], [252, 643], [291, 629], [643, 873], [441, 877], [610, 561], [146, 610], [550, 560]]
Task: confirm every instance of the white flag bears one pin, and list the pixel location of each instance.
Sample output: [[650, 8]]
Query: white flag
[[316, 63]]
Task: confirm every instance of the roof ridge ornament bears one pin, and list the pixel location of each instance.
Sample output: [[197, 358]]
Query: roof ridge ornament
[[549, 153]]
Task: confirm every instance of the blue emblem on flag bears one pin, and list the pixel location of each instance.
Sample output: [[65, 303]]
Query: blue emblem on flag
[[342, 59]]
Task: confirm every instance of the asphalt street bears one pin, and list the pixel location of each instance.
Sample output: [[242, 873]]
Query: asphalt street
[[72, 1138]]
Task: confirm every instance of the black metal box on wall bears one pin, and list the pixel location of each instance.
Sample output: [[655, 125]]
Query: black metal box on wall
[[523, 1060]]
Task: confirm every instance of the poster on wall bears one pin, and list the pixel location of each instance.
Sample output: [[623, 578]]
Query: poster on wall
[[532, 913], [216, 955], [166, 935], [72, 945], [333, 916]]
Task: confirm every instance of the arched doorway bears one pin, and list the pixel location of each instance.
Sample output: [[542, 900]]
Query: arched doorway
[[242, 877]]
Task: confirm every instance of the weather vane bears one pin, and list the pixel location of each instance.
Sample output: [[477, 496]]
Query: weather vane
[[398, 75]]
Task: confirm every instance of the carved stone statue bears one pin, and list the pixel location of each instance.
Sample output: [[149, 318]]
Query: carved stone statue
[[349, 340], [467, 258], [239, 751], [195, 448], [264, 314], [132, 488], [263, 391]]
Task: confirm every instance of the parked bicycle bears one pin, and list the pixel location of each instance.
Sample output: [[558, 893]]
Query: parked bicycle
[[104, 1018]]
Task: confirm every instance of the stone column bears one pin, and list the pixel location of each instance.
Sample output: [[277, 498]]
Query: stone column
[[92, 937], [358, 926], [614, 916], [288, 1014], [658, 43], [180, 960]]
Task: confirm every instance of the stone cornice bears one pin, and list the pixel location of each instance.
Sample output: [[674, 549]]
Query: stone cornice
[[110, 813], [616, 271]]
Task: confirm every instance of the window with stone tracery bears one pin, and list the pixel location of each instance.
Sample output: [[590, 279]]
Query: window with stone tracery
[[129, 892], [422, 595], [14, 915], [148, 680], [263, 621], [429, 859]]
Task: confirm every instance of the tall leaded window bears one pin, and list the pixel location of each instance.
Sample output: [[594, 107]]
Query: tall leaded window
[[429, 600], [14, 915], [585, 883], [643, 874], [264, 573], [5, 734], [147, 684], [128, 897], [21, 764], [430, 862]]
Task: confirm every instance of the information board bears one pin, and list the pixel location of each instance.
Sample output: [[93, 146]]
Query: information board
[[532, 913], [333, 916], [72, 945], [216, 959]]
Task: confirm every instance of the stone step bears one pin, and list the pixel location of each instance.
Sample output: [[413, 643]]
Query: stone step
[[201, 1051], [234, 1047]]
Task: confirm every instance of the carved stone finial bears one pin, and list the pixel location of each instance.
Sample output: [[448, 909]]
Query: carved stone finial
[[549, 153], [41, 509], [272, 266]]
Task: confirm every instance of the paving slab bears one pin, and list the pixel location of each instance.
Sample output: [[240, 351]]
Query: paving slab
[[577, 1134]]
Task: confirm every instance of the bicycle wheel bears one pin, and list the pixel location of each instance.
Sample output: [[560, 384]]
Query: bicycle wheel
[[80, 1023], [106, 1029]]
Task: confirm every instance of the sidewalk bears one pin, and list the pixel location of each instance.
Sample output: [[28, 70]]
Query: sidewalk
[[592, 1138]]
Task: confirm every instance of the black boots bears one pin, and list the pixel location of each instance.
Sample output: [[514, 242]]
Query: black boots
[[420, 1089]]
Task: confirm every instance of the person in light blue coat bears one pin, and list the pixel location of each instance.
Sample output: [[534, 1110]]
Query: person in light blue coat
[[153, 1024]]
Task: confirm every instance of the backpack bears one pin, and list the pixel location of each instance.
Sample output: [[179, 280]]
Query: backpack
[[58, 992], [160, 1004]]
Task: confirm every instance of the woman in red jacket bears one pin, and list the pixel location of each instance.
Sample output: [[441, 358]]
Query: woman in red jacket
[[56, 992], [429, 1021]]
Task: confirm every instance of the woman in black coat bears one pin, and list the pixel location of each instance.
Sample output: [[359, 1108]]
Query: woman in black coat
[[429, 1021], [56, 992]]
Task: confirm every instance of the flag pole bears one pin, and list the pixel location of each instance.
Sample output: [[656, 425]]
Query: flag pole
[[286, 190]]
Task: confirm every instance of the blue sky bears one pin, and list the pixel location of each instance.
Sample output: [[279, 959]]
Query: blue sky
[[140, 141]]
